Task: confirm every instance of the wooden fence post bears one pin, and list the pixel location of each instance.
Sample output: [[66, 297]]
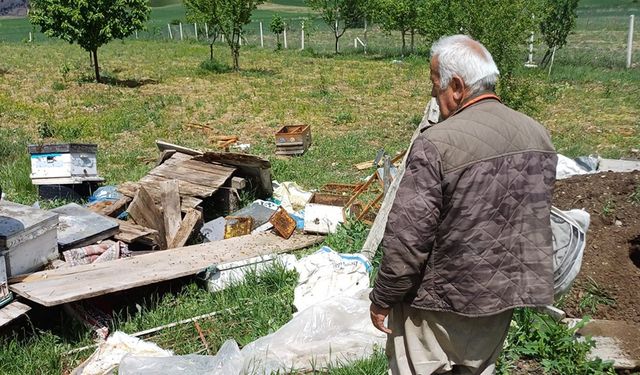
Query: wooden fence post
[[261, 36], [181, 35], [170, 33], [302, 36]]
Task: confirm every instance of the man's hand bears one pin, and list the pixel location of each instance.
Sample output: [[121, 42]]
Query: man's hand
[[377, 318]]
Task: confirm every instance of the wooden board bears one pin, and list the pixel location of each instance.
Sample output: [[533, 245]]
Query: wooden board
[[12, 311], [130, 232], [79, 226], [130, 189], [186, 227], [144, 212], [64, 285], [170, 200], [110, 208]]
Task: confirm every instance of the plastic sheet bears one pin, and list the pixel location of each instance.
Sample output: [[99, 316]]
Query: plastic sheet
[[335, 331], [569, 230], [228, 361]]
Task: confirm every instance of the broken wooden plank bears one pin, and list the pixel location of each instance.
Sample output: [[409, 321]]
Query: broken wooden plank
[[186, 227], [162, 146], [170, 199], [12, 311], [144, 212], [130, 233], [130, 189], [188, 190], [166, 154], [249, 166], [211, 179], [79, 226], [64, 285], [376, 232]]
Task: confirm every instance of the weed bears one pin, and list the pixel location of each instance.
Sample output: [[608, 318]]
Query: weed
[[58, 86], [553, 344], [635, 196], [343, 118], [609, 207], [594, 296], [349, 237]]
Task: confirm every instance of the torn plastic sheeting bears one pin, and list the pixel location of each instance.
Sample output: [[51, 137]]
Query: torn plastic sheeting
[[567, 167], [228, 361], [109, 354], [326, 273], [332, 332]]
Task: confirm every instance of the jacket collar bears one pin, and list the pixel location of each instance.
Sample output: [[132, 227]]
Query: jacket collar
[[474, 99]]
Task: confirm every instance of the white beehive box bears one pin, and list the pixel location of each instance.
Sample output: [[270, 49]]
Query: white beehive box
[[28, 237], [63, 163]]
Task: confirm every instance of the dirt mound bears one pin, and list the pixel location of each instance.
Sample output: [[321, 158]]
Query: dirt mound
[[608, 286]]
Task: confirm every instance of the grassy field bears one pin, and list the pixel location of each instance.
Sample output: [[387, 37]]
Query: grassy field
[[355, 105]]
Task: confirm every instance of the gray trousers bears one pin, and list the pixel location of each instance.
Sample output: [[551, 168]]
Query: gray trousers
[[430, 342]]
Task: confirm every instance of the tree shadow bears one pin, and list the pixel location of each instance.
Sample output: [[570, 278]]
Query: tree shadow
[[258, 72], [130, 83], [113, 81]]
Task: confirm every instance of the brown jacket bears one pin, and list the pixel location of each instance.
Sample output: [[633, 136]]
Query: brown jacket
[[469, 228]]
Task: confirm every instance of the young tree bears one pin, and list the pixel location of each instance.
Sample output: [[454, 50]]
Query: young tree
[[557, 21], [339, 15], [89, 23], [399, 15], [228, 16], [277, 27]]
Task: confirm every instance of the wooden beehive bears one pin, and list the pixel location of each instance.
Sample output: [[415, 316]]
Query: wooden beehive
[[293, 139]]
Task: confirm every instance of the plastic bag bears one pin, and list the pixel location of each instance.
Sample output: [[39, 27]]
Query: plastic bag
[[105, 193]]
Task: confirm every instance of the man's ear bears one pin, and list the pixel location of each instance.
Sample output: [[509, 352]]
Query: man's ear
[[457, 86]]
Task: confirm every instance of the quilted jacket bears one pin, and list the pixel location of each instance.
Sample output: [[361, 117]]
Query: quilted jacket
[[469, 229]]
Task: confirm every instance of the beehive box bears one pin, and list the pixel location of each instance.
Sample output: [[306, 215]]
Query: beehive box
[[63, 163], [293, 139], [28, 237]]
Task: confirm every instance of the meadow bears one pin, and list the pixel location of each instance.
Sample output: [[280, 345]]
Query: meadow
[[355, 104]]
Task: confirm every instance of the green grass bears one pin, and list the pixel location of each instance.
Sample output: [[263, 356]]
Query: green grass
[[355, 105]]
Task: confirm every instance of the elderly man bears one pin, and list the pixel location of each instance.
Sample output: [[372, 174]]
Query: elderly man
[[468, 237]]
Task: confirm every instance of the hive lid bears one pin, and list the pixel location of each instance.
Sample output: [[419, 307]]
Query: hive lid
[[18, 220]]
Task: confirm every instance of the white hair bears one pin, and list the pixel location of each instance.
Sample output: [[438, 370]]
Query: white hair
[[462, 56]]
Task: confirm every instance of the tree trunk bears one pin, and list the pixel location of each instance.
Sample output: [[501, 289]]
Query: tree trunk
[[278, 40], [95, 64], [546, 58], [235, 51], [211, 51], [404, 42], [413, 34]]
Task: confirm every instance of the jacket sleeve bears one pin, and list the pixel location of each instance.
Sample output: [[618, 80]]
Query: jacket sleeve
[[411, 226]]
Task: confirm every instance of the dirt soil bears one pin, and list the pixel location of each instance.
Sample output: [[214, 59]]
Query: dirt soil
[[612, 253]]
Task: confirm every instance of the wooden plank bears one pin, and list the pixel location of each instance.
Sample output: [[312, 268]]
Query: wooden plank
[[162, 146], [376, 232], [64, 285], [170, 199], [183, 173], [130, 189], [212, 168], [166, 154], [12, 311], [187, 189], [191, 219], [144, 212], [249, 166], [130, 232]]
